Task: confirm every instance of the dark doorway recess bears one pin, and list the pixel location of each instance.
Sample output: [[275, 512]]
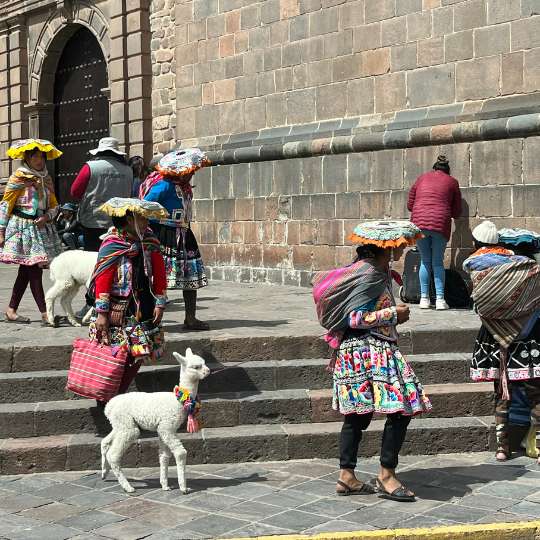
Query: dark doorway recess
[[81, 106]]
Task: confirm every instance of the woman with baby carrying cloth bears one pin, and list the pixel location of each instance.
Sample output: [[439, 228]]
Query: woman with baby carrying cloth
[[356, 305], [128, 287]]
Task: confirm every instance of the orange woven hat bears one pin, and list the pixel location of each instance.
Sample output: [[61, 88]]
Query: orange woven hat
[[386, 234]]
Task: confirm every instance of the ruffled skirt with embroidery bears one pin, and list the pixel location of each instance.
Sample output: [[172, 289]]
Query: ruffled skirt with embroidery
[[372, 376], [27, 244]]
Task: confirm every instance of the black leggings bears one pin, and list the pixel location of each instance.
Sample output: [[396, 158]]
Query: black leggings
[[394, 433], [33, 275]]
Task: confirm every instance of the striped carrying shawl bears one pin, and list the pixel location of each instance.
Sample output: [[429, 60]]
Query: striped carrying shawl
[[506, 296], [338, 292]]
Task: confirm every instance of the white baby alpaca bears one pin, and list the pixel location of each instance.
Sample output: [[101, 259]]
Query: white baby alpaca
[[158, 411], [69, 272]]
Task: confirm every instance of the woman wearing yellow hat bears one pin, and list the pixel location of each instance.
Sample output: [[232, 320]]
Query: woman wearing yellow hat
[[27, 235]]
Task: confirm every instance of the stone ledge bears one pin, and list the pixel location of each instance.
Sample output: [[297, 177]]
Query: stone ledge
[[272, 149], [244, 443]]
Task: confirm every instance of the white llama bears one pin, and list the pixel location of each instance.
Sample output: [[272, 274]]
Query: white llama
[[163, 412], [69, 272]]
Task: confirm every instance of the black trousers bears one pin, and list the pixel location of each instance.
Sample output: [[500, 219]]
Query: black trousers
[[395, 430], [92, 240]]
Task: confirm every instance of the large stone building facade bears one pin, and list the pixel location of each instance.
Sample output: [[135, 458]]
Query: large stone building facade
[[316, 113]]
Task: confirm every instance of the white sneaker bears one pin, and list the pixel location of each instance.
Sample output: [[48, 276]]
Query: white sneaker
[[441, 305], [425, 303]]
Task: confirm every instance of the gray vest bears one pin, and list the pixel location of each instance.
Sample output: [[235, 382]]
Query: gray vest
[[109, 178]]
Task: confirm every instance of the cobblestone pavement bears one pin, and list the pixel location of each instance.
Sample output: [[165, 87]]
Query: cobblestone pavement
[[264, 499], [258, 309]]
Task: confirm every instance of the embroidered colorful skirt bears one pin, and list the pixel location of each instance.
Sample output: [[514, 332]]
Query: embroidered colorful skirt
[[371, 375], [183, 262], [28, 244], [523, 357]]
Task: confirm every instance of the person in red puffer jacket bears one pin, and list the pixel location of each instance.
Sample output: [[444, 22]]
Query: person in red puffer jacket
[[434, 199]]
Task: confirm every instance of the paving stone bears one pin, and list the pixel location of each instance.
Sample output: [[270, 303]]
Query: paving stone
[[454, 512], [294, 519], [527, 508], [59, 492], [177, 533], [423, 521], [210, 502], [322, 488], [258, 529], [216, 525], [94, 499], [17, 503], [129, 530], [331, 507], [247, 491], [91, 520], [173, 515], [30, 484], [338, 526], [288, 498], [251, 510], [11, 522], [53, 512], [487, 502], [50, 531], [508, 490]]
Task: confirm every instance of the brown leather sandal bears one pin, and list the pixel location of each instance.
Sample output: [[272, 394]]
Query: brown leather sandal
[[363, 489]]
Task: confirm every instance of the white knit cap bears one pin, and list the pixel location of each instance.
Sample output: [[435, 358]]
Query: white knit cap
[[486, 233]]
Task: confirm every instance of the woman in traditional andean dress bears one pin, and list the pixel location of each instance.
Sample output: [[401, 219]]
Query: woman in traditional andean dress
[[27, 233]]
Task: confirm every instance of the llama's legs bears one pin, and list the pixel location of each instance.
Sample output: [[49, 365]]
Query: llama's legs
[[164, 457], [67, 300], [120, 443], [105, 445], [53, 293], [172, 440]]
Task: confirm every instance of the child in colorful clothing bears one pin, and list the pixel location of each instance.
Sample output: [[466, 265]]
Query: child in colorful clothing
[[171, 186], [27, 234], [370, 374], [128, 287]]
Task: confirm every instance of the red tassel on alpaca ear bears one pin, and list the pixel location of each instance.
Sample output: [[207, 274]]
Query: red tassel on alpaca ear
[[192, 424]]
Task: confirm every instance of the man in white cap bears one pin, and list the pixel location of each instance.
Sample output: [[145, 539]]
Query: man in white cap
[[106, 176]]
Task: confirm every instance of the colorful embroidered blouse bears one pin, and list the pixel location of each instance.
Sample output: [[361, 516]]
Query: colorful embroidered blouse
[[177, 203], [378, 318], [28, 195]]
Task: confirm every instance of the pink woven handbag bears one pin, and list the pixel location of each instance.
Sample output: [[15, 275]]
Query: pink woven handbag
[[95, 371]]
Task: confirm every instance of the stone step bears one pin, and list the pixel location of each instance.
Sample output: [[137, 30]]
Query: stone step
[[233, 409], [30, 358], [246, 443], [38, 386]]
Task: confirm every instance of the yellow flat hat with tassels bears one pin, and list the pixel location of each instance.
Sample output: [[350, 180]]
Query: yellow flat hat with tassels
[[119, 207], [17, 150]]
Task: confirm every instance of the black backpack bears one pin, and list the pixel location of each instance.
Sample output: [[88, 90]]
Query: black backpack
[[456, 291]]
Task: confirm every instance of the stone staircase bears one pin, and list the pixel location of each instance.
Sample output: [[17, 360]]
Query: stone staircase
[[272, 403]]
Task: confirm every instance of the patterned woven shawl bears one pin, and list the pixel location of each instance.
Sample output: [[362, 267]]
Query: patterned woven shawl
[[506, 296], [338, 292]]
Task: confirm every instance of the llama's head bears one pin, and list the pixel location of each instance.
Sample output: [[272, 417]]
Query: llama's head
[[193, 367]]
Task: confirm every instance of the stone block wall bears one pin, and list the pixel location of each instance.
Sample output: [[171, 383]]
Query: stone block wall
[[249, 65], [279, 221], [163, 28], [321, 113], [13, 89]]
